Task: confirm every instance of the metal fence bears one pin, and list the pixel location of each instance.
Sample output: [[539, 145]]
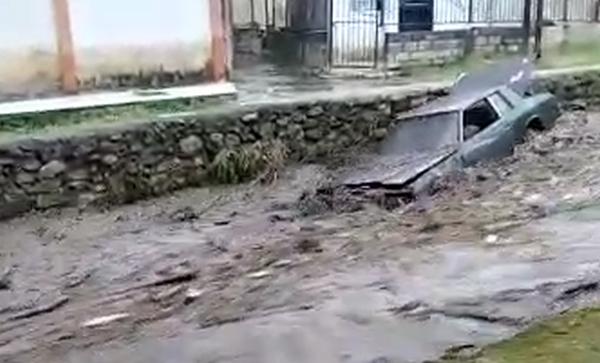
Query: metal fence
[[260, 14], [358, 29], [511, 11]]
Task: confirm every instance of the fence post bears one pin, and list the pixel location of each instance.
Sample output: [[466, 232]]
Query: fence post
[[539, 23], [273, 11], [329, 31], [470, 38], [526, 27], [266, 9], [565, 26], [378, 23], [386, 52], [470, 11], [252, 13], [376, 48]]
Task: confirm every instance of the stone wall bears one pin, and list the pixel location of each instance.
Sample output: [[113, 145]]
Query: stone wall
[[126, 163]]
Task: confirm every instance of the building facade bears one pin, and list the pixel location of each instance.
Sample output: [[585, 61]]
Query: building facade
[[50, 47]]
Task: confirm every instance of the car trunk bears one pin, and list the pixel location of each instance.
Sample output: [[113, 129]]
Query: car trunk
[[410, 150], [396, 172]]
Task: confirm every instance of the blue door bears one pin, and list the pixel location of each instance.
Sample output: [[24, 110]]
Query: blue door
[[415, 15]]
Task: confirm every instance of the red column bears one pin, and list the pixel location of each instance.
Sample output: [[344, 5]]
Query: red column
[[64, 45], [217, 66]]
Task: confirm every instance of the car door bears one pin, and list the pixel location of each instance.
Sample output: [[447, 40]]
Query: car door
[[495, 140], [522, 110]]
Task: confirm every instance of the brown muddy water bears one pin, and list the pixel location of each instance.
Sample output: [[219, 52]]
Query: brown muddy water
[[243, 274]]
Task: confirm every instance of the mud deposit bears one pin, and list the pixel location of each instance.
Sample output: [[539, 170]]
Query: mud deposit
[[245, 274]]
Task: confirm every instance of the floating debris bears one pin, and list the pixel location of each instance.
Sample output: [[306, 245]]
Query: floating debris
[[259, 274], [492, 238], [282, 263], [104, 320], [192, 294], [42, 309]]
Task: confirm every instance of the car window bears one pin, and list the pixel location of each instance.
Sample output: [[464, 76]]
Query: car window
[[478, 117], [500, 103]]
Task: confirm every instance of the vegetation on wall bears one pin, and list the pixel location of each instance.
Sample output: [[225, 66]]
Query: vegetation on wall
[[261, 159]]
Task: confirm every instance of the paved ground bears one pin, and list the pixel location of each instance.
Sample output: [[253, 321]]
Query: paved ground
[[268, 84], [245, 274]]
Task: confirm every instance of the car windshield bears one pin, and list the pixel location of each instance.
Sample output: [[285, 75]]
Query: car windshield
[[423, 133]]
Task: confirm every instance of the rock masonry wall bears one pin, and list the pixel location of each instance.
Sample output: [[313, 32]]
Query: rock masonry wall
[[121, 165]]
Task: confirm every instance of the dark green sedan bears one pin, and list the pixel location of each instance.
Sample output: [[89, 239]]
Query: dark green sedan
[[484, 116]]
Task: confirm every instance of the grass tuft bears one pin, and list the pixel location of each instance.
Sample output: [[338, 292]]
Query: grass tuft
[[262, 160]]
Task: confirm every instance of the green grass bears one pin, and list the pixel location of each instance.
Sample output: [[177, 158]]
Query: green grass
[[573, 337], [44, 122]]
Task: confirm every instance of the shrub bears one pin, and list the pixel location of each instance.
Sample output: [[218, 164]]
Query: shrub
[[261, 160]]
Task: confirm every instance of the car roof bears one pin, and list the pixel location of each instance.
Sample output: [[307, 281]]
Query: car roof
[[515, 74], [450, 103]]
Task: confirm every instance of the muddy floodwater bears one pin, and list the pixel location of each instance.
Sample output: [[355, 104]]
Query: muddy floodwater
[[250, 274]]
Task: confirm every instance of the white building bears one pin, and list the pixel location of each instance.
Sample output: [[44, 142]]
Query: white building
[[357, 33], [49, 46]]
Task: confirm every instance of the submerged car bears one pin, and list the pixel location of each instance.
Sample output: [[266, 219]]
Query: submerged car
[[485, 115]]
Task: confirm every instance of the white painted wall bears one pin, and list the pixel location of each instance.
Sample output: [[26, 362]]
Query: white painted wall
[[109, 36], [27, 47], [116, 36]]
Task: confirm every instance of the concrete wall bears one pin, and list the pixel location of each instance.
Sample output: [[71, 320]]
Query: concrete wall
[[575, 33], [440, 47], [115, 38], [112, 43], [421, 48]]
